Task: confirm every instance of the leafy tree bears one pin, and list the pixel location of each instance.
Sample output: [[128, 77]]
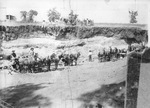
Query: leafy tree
[[85, 22], [23, 15], [88, 22], [72, 18], [65, 20], [53, 15], [133, 15], [31, 15]]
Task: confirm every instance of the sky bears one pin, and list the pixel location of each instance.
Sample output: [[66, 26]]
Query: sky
[[101, 11]]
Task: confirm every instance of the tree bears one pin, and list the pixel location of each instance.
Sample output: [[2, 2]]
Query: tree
[[90, 22], [65, 20], [31, 15], [23, 15], [53, 15], [72, 18], [133, 15]]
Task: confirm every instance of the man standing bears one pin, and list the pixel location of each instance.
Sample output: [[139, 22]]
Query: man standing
[[13, 55], [129, 48], [31, 52], [1, 40], [99, 56], [44, 27], [90, 55], [31, 59], [15, 61]]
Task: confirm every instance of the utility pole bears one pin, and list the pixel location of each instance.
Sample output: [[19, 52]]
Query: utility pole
[[125, 94], [3, 17], [70, 4], [148, 25]]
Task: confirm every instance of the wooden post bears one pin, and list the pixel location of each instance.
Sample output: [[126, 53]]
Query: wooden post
[[1, 40], [125, 94], [132, 79]]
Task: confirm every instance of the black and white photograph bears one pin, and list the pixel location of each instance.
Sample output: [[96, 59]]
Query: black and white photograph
[[74, 53]]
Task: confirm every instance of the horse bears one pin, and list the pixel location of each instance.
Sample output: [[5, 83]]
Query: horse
[[66, 59], [27, 63], [111, 55], [74, 58], [53, 59], [100, 57], [70, 59]]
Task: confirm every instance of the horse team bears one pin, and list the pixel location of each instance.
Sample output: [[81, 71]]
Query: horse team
[[32, 63], [111, 54], [114, 54]]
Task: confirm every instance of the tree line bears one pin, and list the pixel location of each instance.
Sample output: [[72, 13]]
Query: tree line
[[72, 19], [53, 16], [28, 16]]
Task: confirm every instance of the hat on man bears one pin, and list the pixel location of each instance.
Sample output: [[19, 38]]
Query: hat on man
[[32, 48]]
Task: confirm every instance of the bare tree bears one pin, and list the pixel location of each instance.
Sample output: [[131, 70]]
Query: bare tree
[[23, 16], [133, 15]]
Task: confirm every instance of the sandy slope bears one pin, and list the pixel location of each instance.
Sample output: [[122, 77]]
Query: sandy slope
[[61, 88], [47, 45]]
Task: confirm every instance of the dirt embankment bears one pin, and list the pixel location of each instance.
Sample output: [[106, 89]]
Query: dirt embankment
[[131, 34]]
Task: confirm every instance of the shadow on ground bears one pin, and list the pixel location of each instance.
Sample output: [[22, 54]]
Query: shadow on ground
[[107, 95], [23, 96]]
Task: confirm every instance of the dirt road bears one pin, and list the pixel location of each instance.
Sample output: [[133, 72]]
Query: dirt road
[[61, 88], [64, 87]]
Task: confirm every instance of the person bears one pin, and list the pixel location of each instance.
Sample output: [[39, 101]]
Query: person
[[116, 52], [104, 54], [53, 56], [99, 56], [36, 57], [110, 49], [13, 55], [90, 55], [48, 61], [43, 24], [44, 27], [142, 46], [15, 60], [31, 55], [99, 106], [1, 40], [31, 52]]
